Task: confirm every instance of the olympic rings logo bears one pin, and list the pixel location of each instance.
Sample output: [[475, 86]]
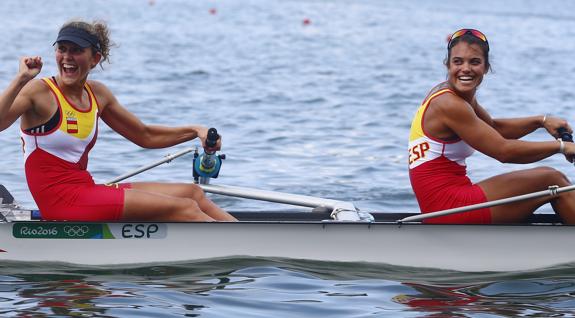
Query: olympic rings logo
[[76, 230]]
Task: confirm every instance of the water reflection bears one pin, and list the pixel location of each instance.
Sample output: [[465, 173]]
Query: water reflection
[[160, 291], [512, 298], [65, 298], [279, 288], [435, 297]]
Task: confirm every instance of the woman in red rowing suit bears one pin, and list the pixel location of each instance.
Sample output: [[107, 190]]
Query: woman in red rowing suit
[[450, 124], [59, 125]]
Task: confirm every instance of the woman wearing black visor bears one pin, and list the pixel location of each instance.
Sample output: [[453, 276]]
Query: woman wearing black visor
[[59, 123]]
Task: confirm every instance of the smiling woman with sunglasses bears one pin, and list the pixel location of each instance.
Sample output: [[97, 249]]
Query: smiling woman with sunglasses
[[450, 125]]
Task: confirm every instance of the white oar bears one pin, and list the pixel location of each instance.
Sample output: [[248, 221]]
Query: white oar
[[341, 210], [551, 191], [167, 158]]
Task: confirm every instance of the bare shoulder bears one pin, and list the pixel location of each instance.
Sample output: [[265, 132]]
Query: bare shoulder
[[451, 104], [451, 116], [35, 93], [35, 86], [98, 87], [34, 101], [103, 94]]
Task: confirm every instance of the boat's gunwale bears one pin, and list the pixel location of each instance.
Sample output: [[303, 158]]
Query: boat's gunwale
[[325, 222]]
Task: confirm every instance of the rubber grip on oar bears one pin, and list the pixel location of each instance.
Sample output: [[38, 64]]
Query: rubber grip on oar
[[564, 134], [212, 138]]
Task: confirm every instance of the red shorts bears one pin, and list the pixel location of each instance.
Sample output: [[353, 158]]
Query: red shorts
[[445, 186], [459, 197], [95, 202], [65, 191]]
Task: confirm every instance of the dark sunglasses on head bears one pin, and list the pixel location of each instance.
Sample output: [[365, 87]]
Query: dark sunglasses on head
[[462, 32]]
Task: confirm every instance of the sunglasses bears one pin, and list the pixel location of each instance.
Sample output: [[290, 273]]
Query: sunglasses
[[462, 32]]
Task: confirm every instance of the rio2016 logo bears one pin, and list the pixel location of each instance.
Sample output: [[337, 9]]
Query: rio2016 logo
[[38, 231], [56, 230]]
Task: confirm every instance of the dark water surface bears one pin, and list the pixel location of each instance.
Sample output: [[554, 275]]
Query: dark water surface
[[320, 109], [250, 287]]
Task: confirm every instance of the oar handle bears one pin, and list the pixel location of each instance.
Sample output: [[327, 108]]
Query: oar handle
[[207, 165], [208, 159], [212, 138], [564, 134]]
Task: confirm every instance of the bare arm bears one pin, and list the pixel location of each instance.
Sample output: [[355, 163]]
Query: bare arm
[[461, 118], [515, 128], [12, 105], [132, 128]]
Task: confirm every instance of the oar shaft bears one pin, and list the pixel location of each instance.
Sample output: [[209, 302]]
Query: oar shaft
[[552, 191], [277, 197], [167, 158], [249, 193]]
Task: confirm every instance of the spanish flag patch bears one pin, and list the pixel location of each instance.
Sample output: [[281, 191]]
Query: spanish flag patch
[[72, 125]]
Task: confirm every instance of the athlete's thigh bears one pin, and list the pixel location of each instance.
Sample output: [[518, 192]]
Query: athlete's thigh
[[518, 182], [513, 184], [171, 189], [144, 205]]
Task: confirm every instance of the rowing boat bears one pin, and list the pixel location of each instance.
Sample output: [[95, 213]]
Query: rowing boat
[[318, 234], [329, 230]]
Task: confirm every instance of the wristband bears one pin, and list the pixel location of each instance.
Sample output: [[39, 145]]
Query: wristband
[[561, 146], [544, 119]]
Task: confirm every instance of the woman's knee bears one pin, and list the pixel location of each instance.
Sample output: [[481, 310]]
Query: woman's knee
[[195, 192], [553, 175]]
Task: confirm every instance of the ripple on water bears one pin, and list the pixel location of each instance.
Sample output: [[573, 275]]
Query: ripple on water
[[282, 287]]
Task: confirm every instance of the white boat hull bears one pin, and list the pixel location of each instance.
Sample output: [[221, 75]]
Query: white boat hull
[[453, 247]]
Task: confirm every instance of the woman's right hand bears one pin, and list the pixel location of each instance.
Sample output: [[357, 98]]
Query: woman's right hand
[[553, 125], [30, 66], [203, 135]]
